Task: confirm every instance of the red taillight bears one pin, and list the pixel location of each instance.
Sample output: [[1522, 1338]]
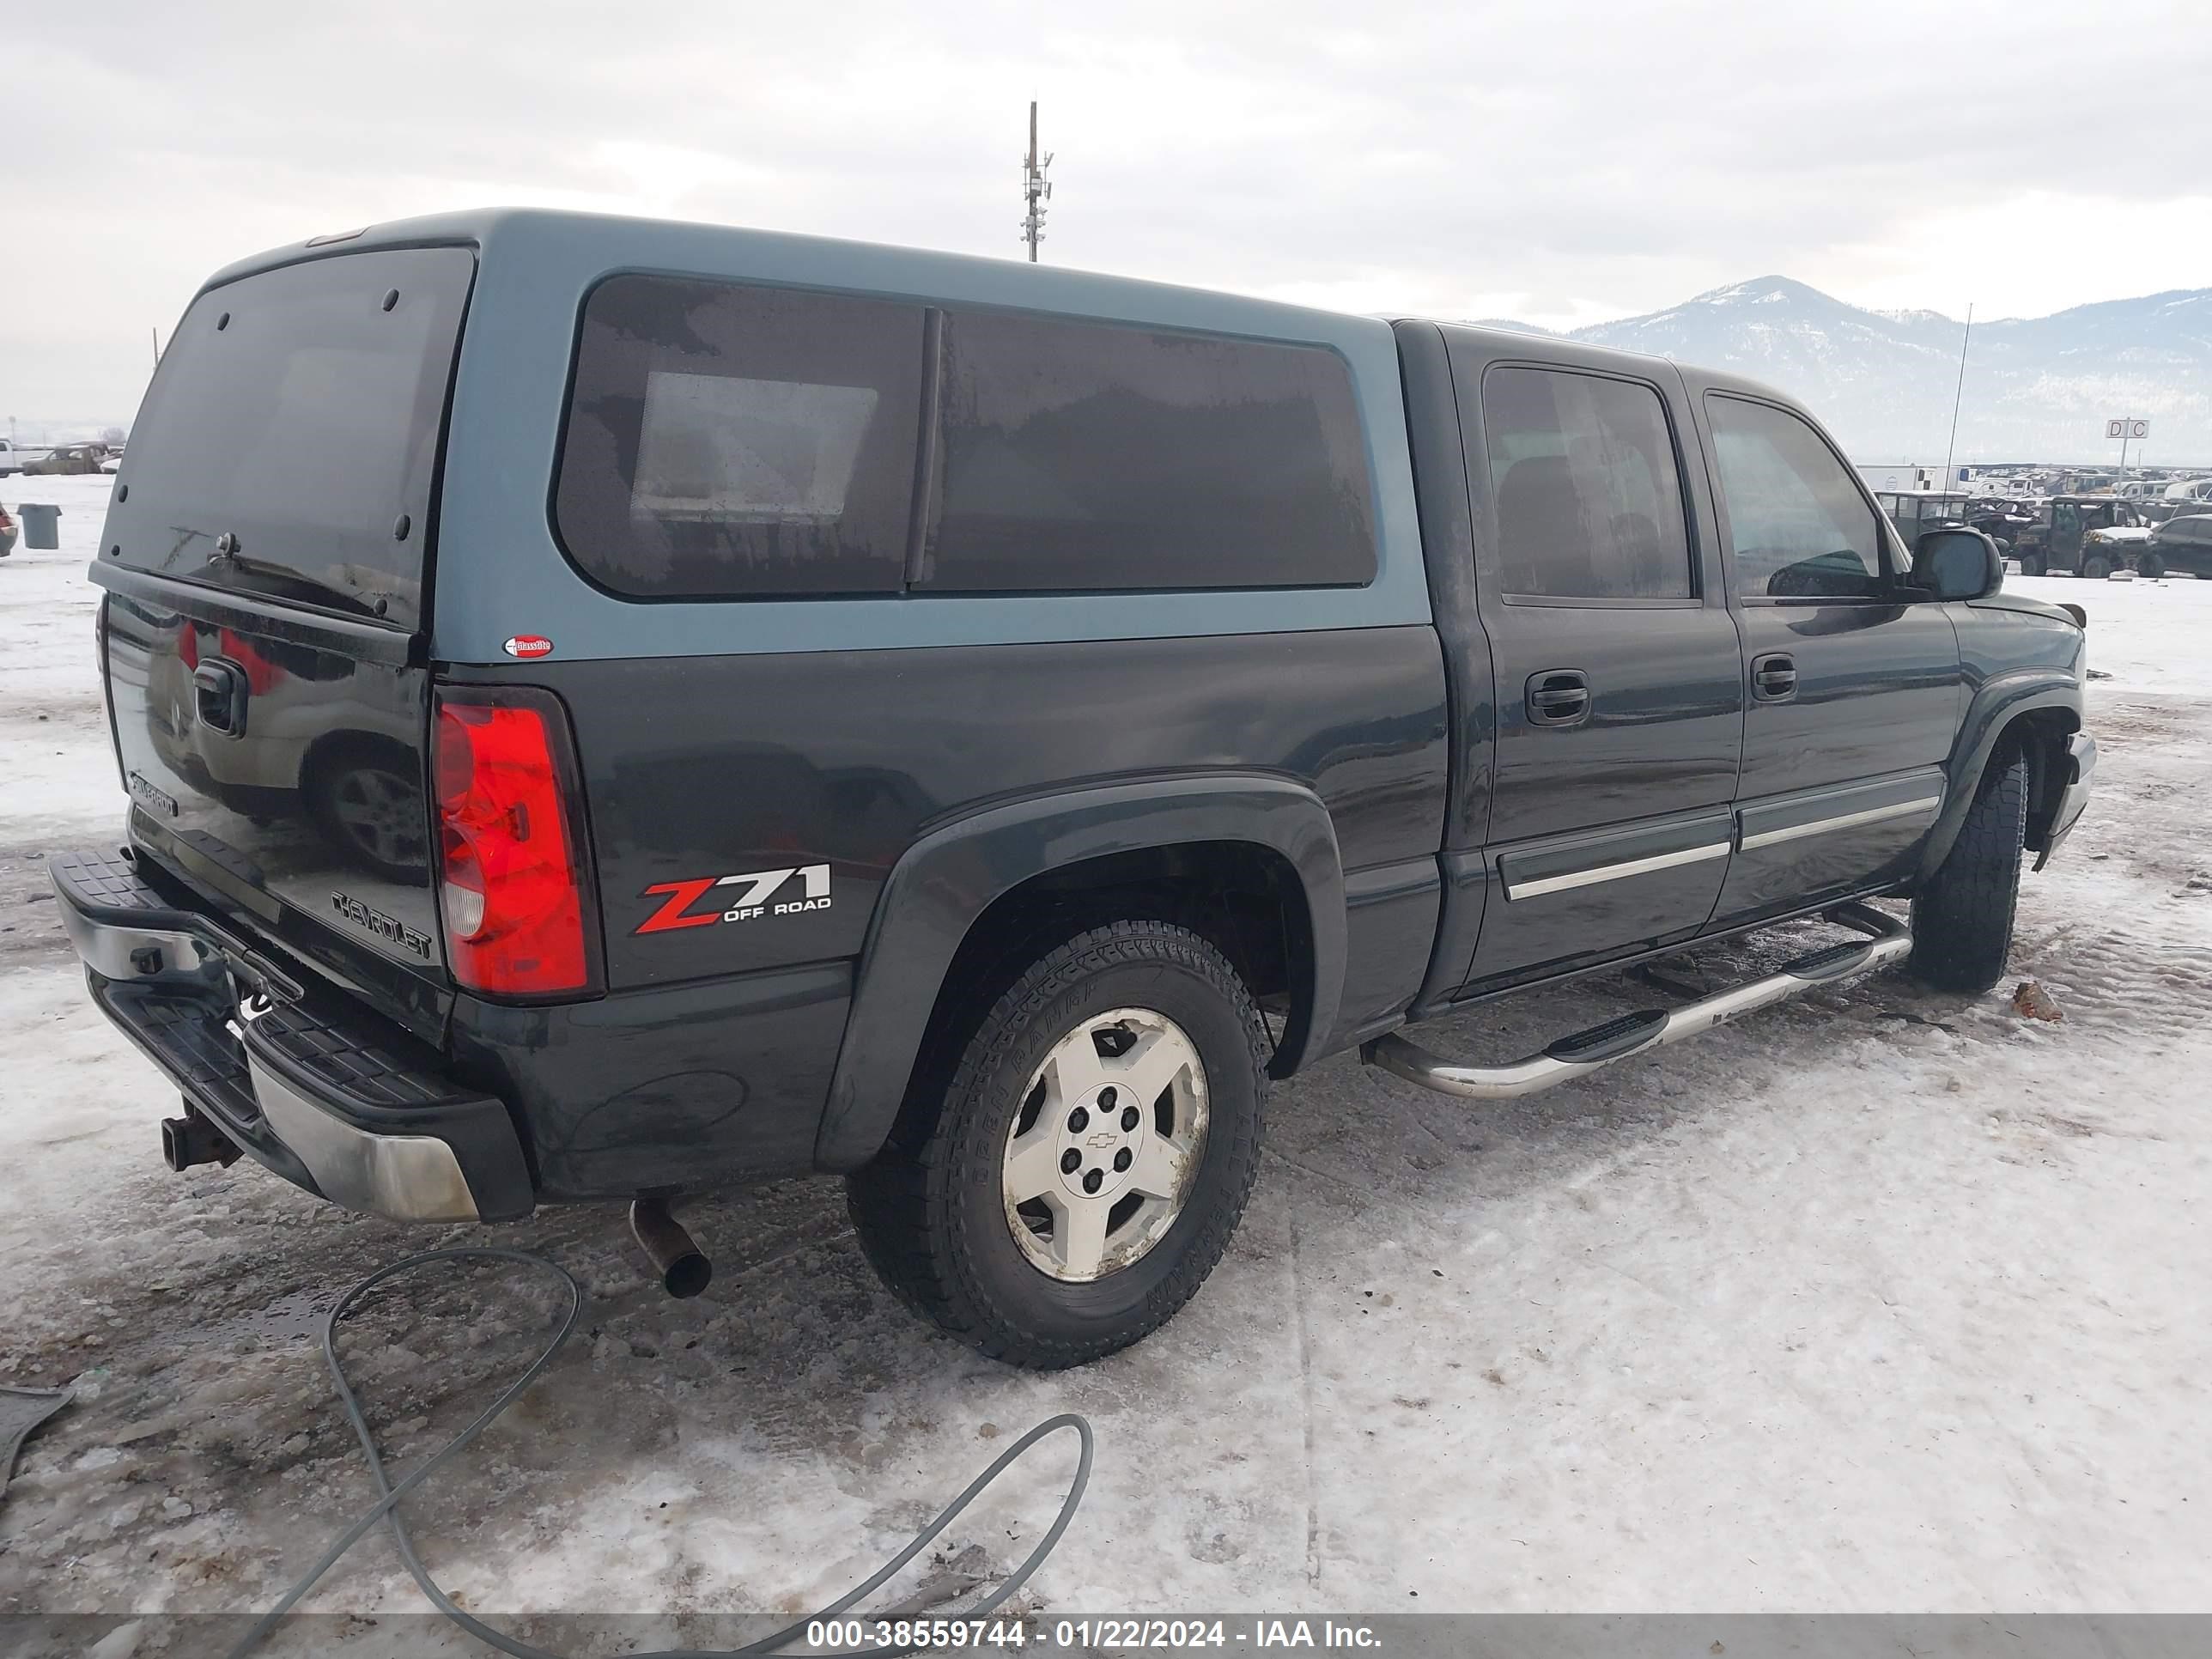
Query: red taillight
[[512, 888]]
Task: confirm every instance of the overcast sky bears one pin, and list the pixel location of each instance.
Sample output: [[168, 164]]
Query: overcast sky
[[1558, 160]]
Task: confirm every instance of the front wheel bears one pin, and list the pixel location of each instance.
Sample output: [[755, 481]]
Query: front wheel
[[1962, 919], [1088, 1161], [2096, 567], [2150, 566]]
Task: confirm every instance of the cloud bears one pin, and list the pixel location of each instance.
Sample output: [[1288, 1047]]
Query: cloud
[[1563, 161]]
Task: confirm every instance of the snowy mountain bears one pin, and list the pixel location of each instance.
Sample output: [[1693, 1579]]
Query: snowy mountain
[[2037, 389]]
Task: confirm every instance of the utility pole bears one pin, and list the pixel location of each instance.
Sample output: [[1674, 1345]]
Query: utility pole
[[1036, 188], [1958, 396]]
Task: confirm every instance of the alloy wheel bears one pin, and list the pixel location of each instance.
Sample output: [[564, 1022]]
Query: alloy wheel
[[1100, 1156]]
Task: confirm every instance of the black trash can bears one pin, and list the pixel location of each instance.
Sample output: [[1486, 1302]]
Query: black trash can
[[41, 525]]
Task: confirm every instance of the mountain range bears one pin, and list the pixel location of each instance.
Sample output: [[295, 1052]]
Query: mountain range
[[2037, 389]]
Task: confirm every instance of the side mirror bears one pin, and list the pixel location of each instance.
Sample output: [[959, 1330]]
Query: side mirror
[[1957, 564]]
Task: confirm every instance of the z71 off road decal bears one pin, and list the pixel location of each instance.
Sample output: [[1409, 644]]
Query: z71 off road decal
[[750, 902]]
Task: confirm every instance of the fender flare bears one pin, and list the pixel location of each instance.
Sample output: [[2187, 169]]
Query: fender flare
[[946, 880], [1996, 703]]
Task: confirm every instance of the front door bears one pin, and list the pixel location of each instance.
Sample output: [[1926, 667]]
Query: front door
[[1854, 689], [1617, 683]]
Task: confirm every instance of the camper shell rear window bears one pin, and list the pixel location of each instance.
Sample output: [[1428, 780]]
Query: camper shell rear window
[[289, 444]]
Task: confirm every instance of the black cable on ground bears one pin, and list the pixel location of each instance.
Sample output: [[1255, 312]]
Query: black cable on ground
[[386, 1507]]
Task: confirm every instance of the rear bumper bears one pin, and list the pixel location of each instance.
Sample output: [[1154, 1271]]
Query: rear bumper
[[328, 1095]]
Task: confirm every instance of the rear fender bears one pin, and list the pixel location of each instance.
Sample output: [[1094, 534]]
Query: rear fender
[[946, 880]]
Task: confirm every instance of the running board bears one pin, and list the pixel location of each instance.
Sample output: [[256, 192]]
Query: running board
[[1584, 1052]]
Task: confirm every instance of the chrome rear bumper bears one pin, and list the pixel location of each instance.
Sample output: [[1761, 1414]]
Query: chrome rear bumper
[[328, 1095]]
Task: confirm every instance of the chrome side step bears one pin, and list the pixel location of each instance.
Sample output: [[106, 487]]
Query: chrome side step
[[1584, 1052]]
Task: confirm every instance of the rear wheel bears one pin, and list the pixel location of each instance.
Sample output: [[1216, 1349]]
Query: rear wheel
[[1962, 919], [2031, 564], [1089, 1157]]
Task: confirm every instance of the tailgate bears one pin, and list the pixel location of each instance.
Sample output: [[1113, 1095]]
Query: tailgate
[[266, 558]]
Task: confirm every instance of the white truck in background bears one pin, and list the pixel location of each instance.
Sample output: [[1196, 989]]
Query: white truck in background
[[1904, 476], [11, 458]]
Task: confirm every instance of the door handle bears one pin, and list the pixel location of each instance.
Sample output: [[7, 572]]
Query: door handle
[[219, 697], [1774, 676], [1559, 696]]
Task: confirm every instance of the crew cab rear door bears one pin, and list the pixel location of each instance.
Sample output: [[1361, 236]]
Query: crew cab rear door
[[1614, 665], [1854, 686]]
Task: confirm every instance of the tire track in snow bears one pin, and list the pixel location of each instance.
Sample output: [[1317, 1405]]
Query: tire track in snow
[[1306, 1386]]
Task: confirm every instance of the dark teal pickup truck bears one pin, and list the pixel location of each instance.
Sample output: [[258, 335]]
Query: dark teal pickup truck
[[613, 709]]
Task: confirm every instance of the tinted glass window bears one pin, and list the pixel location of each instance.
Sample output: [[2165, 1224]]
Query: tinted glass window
[[1082, 455], [299, 412], [1798, 527], [726, 439], [1590, 502]]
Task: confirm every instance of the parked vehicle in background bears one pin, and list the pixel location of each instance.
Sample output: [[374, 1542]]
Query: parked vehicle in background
[[68, 461], [2002, 518], [7, 533], [2189, 489], [2181, 545], [1902, 476], [2113, 547], [1916, 512], [2089, 536], [969, 727], [11, 459]]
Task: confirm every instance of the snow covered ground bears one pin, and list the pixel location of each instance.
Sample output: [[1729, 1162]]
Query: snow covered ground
[[1880, 1300]]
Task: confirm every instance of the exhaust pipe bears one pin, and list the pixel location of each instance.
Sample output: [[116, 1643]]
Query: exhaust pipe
[[192, 1140], [683, 1268]]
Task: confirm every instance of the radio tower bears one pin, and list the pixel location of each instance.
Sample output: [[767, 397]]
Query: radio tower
[[1036, 188]]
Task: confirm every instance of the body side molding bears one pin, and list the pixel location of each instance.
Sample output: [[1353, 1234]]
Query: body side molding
[[1597, 873]]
